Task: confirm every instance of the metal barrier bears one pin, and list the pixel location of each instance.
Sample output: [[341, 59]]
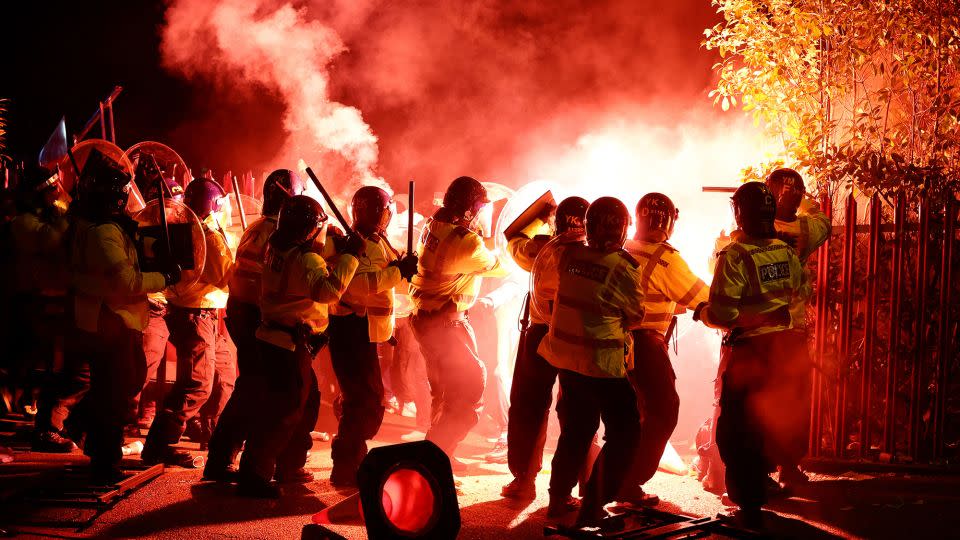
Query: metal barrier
[[885, 345]]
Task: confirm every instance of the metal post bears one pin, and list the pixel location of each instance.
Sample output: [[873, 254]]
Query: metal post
[[103, 123], [893, 349], [820, 341], [870, 324], [920, 318], [944, 353], [845, 326], [113, 129]]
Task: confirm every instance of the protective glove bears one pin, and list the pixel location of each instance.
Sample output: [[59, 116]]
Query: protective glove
[[352, 245], [408, 265], [172, 275]]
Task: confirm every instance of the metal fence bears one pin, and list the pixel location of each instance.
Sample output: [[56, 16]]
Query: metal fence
[[885, 385]]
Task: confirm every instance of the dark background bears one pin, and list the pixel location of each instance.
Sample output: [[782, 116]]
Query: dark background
[[470, 98]]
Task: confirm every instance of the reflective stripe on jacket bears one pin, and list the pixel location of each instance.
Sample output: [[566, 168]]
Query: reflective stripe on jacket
[[296, 287], [453, 261], [753, 279], [544, 276], [105, 272], [599, 298], [370, 292], [245, 282], [670, 287]]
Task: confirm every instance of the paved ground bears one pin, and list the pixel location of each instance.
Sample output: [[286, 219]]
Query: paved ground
[[177, 505]]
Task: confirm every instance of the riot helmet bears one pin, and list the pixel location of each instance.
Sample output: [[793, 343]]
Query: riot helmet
[[299, 222], [607, 222], [788, 190], [204, 196], [464, 199], [372, 210], [104, 186], [279, 186], [755, 208], [571, 213], [656, 213]]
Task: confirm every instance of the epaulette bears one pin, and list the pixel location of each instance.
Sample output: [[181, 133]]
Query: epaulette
[[668, 246], [630, 259]]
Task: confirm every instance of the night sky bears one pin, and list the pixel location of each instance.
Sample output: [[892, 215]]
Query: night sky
[[471, 100]]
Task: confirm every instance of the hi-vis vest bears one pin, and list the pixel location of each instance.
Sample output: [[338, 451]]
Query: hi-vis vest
[[808, 232], [754, 277], [296, 287], [544, 277], [453, 261], [370, 292], [210, 289], [670, 287], [105, 272], [599, 298], [41, 254], [245, 283], [522, 247]]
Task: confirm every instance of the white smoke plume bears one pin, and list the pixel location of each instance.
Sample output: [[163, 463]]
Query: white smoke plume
[[268, 46]]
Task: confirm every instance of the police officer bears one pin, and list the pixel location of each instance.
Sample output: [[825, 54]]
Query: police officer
[[296, 288], [453, 261], [38, 232], [669, 288], [531, 392], [110, 309], [203, 346], [599, 296], [358, 324], [757, 278], [242, 320], [801, 224]]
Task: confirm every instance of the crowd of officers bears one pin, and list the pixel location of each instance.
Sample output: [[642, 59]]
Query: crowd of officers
[[247, 329]]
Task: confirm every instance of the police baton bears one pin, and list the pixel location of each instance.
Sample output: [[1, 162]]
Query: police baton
[[410, 219], [236, 193], [330, 203]]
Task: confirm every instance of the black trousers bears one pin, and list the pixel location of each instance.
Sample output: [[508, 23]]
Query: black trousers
[[530, 397], [117, 372], [231, 430], [761, 403], [64, 388], [655, 384], [195, 334], [584, 401], [278, 436], [456, 374], [356, 363]]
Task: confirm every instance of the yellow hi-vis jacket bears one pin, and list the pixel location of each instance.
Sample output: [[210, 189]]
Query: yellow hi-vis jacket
[[669, 285], [523, 248], [808, 232], [210, 289], [370, 292], [41, 254], [245, 282], [753, 279], [544, 276], [296, 288], [453, 263], [105, 272], [599, 299]]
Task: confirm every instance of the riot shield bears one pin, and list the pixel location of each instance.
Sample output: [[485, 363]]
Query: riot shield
[[187, 244], [172, 167], [68, 176]]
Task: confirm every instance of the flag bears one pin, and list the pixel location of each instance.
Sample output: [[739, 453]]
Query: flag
[[56, 146]]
